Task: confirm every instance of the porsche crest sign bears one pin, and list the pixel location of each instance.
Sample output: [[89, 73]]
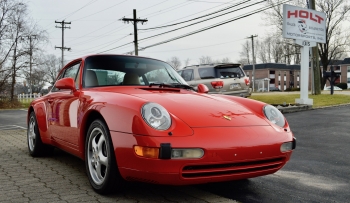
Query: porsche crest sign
[[304, 24]]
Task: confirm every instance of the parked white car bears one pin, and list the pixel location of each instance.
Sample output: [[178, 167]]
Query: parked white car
[[335, 88]]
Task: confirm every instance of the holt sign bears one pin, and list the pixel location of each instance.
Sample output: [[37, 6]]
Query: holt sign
[[304, 24]]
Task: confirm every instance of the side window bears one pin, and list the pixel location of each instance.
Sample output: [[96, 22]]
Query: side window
[[70, 72], [187, 74], [206, 73]]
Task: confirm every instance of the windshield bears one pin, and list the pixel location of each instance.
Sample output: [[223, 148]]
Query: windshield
[[111, 70]]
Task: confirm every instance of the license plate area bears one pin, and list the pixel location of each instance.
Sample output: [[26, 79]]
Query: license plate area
[[235, 86]]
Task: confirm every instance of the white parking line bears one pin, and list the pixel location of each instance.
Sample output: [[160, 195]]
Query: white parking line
[[10, 127]]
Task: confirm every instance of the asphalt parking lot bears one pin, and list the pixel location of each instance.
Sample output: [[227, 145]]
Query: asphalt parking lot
[[317, 172]]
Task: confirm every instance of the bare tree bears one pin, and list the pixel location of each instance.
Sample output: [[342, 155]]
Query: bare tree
[[187, 62], [15, 48], [17, 28], [226, 60], [174, 62], [7, 10], [51, 65], [337, 13], [243, 62], [337, 40], [245, 53], [205, 60]]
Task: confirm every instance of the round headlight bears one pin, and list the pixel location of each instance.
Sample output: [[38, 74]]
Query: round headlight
[[274, 115], [156, 116]]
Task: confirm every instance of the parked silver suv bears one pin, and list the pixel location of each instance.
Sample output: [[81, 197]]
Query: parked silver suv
[[220, 78]]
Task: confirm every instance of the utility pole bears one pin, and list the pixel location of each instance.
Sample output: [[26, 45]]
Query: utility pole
[[134, 20], [316, 88], [253, 74], [62, 47]]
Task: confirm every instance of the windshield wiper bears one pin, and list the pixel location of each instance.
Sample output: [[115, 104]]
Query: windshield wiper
[[173, 85]]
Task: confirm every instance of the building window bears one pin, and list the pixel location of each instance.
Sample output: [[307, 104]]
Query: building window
[[348, 80], [273, 72], [348, 69]]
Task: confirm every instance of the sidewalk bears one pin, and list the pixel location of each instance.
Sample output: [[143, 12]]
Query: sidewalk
[[62, 178]]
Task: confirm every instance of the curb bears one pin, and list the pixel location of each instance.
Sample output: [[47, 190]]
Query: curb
[[303, 107], [295, 108]]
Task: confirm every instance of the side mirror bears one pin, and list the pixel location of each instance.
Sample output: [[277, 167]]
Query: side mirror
[[202, 88], [65, 83]]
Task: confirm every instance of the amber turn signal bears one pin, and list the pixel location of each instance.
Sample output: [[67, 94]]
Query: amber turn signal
[[148, 152]]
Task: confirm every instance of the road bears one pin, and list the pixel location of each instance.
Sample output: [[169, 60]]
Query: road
[[317, 172], [13, 119]]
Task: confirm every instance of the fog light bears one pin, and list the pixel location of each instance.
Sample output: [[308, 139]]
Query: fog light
[[287, 146], [187, 153], [148, 152]]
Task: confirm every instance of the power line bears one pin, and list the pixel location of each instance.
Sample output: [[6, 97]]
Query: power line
[[203, 29], [109, 43], [202, 20], [91, 2], [111, 22], [169, 8], [208, 1], [188, 16], [115, 47], [117, 20], [197, 17], [100, 11], [152, 6], [198, 47], [213, 26], [89, 40]]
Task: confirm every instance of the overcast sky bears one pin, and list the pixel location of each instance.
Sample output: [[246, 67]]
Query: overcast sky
[[96, 27]]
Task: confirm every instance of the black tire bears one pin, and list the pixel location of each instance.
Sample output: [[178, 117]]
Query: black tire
[[100, 161], [35, 146]]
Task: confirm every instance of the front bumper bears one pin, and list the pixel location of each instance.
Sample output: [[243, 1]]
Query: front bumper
[[230, 154]]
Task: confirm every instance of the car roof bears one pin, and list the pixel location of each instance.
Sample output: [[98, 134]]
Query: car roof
[[89, 55], [215, 65]]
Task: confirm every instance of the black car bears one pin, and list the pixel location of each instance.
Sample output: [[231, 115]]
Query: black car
[[274, 89]]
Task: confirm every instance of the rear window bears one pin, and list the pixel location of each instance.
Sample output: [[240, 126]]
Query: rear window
[[220, 72]]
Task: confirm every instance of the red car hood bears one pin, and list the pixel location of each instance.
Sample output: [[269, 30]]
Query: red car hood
[[201, 110]]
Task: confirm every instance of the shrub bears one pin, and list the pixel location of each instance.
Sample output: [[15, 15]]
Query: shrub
[[7, 104], [342, 85]]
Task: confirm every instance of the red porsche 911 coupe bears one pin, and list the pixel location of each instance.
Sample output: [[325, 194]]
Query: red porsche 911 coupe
[[135, 119]]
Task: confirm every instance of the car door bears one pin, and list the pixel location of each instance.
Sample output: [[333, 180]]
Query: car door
[[63, 108]]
